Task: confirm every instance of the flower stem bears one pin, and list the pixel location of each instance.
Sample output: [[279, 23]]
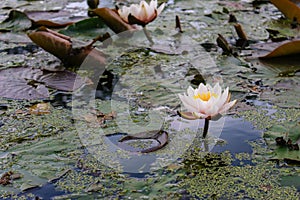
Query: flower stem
[[205, 130], [148, 35]]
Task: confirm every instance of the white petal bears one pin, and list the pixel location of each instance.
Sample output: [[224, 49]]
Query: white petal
[[227, 106], [187, 103], [217, 89], [135, 10], [190, 92], [145, 11], [202, 88], [153, 4], [209, 88], [161, 7], [212, 111], [223, 98], [124, 12], [149, 12], [201, 105], [143, 3]]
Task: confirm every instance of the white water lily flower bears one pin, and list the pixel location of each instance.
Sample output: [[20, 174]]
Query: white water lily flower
[[142, 13], [206, 101]]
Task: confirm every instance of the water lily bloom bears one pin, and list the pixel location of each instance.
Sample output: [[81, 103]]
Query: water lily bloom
[[142, 13], [206, 102]]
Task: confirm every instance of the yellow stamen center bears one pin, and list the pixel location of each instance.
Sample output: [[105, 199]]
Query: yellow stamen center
[[205, 96]]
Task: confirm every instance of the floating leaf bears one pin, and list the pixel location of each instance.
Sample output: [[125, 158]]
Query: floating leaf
[[30, 83], [113, 20], [18, 88], [277, 49], [55, 43], [287, 130], [6, 178], [43, 160], [289, 8], [16, 21], [160, 136], [40, 109], [87, 28], [20, 21], [62, 80], [51, 19]]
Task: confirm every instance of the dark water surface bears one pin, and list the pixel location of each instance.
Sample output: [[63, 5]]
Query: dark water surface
[[236, 132]]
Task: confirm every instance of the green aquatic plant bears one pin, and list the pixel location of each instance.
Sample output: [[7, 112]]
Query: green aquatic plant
[[277, 123]]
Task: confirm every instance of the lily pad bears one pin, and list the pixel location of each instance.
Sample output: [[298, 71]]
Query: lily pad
[[42, 160], [20, 89], [277, 49], [34, 5], [16, 21], [86, 29], [30, 83], [286, 130], [113, 20], [54, 19], [160, 136], [290, 8]]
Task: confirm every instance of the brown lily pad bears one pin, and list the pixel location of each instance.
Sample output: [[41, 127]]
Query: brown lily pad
[[290, 8], [20, 21], [113, 20], [61, 46], [51, 19], [32, 83], [161, 137], [55, 43], [277, 49], [18, 88]]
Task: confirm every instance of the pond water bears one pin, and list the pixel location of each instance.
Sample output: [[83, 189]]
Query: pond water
[[236, 132]]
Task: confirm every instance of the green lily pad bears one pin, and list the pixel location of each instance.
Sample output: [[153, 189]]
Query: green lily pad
[[86, 29], [41, 160], [291, 180], [286, 130], [34, 5], [16, 21]]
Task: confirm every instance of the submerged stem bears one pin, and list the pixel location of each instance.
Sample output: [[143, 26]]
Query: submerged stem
[[205, 130], [148, 35]]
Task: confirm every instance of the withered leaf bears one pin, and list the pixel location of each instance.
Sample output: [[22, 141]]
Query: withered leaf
[[57, 44], [51, 19], [40, 109], [160, 136], [97, 118], [6, 178], [20, 21], [289, 8], [113, 20], [30, 83], [61, 46], [17, 88], [277, 49]]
